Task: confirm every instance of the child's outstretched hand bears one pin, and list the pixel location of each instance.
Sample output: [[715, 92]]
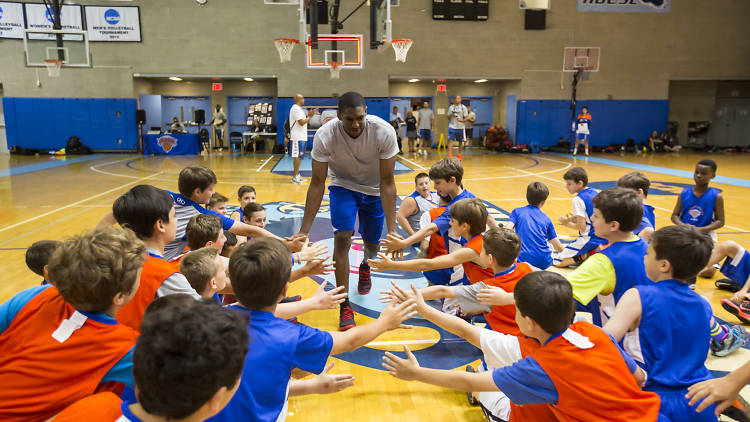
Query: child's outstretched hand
[[296, 242], [319, 267], [315, 252], [495, 296], [394, 315], [384, 263], [565, 219], [394, 244], [740, 296], [405, 369], [396, 294], [326, 383], [330, 299]]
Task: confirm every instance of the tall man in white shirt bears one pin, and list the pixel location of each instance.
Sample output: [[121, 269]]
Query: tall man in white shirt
[[456, 114], [298, 120], [358, 152]]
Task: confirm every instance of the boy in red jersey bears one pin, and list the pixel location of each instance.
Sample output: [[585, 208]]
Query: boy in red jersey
[[60, 342], [574, 366]]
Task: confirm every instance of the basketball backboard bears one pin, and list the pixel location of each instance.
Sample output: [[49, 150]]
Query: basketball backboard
[[345, 49], [584, 59], [380, 24], [70, 46]]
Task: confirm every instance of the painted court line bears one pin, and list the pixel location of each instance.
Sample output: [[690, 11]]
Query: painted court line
[[663, 170], [15, 171], [412, 162], [264, 164]]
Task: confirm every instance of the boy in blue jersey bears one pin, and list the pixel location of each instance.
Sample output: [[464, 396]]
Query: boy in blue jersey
[[576, 181], [701, 206], [260, 273], [535, 229], [639, 182], [205, 271], [205, 230], [599, 282], [37, 256], [736, 266], [218, 203], [582, 128], [672, 323]]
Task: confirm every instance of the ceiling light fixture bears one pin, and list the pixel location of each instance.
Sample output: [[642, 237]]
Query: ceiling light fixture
[[414, 80], [174, 78], [479, 81], [249, 79]]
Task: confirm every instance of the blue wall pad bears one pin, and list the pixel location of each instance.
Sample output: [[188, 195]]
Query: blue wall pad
[[285, 166], [613, 121], [57, 162], [47, 123], [663, 170]]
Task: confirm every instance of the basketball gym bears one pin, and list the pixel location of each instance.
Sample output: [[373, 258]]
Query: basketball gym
[[117, 74]]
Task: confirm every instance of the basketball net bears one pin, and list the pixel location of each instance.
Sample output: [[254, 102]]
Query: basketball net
[[401, 48], [53, 67], [285, 47], [335, 70]]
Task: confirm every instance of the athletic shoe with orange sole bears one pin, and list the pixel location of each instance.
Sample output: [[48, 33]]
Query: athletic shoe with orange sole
[[739, 309], [346, 318]]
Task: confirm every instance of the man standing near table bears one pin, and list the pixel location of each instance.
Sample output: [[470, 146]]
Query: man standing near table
[[298, 121], [218, 121], [358, 152]]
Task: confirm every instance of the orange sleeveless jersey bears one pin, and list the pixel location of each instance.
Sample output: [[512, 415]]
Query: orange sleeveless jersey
[[155, 271], [103, 407], [530, 412], [474, 272], [503, 318], [596, 375], [39, 376], [436, 246]]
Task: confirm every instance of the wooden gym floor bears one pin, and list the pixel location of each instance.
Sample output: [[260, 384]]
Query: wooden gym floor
[[50, 198]]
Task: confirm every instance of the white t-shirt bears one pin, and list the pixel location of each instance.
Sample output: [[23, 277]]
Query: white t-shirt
[[297, 132], [354, 163], [425, 117], [456, 112], [469, 117]]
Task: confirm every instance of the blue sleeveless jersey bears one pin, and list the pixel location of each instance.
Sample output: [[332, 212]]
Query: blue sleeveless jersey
[[648, 219], [627, 260], [587, 195], [698, 210]]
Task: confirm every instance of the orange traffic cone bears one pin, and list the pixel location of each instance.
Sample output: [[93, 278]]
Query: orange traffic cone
[[459, 155]]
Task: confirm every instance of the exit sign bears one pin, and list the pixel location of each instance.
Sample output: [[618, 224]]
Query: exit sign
[[217, 86], [441, 88]]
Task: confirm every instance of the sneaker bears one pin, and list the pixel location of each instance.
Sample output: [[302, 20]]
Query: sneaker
[[575, 152], [469, 395], [739, 309], [735, 338], [365, 283], [728, 285], [297, 179], [290, 299], [346, 318]]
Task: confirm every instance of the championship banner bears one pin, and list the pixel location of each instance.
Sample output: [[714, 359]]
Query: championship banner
[[116, 23], [11, 20], [38, 16], [624, 6]]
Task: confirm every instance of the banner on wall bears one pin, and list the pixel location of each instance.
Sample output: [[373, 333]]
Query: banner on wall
[[624, 6], [121, 23], [11, 20], [39, 16]]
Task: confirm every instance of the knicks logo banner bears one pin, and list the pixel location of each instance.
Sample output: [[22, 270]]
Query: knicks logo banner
[[167, 143]]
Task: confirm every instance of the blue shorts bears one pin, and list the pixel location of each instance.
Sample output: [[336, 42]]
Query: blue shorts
[[297, 148], [455, 134], [738, 268], [441, 277], [675, 406], [583, 136], [425, 134], [347, 205]]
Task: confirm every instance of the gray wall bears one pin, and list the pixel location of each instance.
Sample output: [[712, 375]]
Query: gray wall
[[641, 52]]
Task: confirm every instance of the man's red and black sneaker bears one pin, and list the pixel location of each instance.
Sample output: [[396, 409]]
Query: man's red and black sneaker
[[365, 284], [346, 318], [739, 309]]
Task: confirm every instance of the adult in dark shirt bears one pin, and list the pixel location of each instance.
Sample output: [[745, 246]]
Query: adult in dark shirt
[[411, 130]]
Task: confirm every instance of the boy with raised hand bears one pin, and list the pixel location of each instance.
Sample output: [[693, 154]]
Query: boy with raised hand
[[639, 182], [576, 181], [672, 323], [534, 228], [577, 369], [468, 221], [260, 275], [197, 349], [60, 342], [701, 206], [38, 255], [150, 213], [600, 281]]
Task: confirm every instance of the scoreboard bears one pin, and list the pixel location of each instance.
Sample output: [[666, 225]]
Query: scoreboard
[[460, 10]]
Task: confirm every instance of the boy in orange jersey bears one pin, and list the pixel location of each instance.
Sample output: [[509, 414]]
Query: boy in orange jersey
[[199, 359], [434, 246], [577, 369], [150, 213], [60, 342], [500, 248], [468, 220]]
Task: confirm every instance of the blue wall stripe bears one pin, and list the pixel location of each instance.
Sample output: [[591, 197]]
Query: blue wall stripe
[[663, 170], [15, 171]]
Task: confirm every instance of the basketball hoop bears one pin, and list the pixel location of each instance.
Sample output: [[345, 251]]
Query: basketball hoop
[[335, 70], [401, 48], [53, 67], [285, 47]]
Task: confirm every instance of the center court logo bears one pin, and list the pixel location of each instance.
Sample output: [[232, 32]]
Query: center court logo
[[111, 16], [167, 143]]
